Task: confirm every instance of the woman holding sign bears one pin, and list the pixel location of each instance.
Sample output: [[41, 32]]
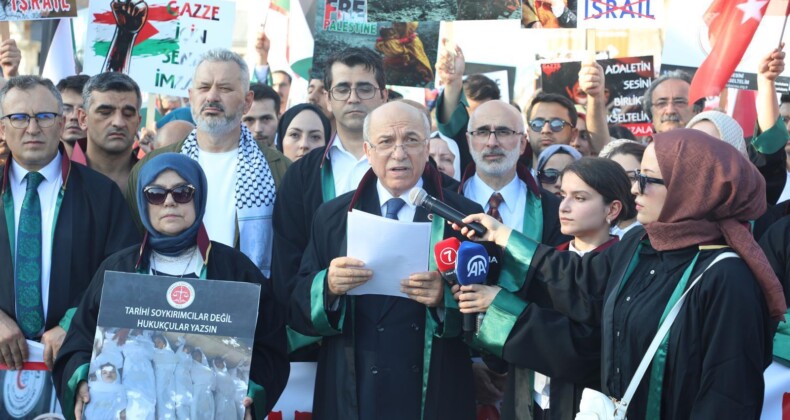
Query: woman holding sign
[[694, 199], [171, 197]]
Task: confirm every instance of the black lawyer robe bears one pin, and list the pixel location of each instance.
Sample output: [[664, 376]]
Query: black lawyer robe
[[718, 346], [93, 223], [269, 367], [371, 361]]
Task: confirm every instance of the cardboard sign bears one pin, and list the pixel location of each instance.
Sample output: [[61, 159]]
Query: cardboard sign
[[408, 49], [171, 346], [159, 42], [441, 10], [687, 42], [12, 10], [627, 78]]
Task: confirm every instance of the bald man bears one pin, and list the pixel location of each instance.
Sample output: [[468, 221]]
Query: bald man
[[384, 357]]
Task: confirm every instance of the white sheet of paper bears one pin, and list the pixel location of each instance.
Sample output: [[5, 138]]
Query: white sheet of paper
[[392, 249]]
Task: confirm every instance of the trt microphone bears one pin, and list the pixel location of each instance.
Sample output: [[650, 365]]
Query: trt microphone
[[471, 267], [445, 253], [419, 197]]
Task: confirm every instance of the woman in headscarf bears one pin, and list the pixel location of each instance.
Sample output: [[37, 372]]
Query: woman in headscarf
[[694, 199], [551, 162], [302, 128], [171, 199], [445, 153]]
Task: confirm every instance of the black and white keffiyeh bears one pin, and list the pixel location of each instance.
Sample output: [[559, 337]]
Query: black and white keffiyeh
[[255, 194]]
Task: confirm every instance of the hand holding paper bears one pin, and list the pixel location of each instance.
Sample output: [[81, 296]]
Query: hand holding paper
[[13, 349]]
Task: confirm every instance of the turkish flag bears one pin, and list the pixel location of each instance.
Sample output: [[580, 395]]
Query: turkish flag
[[731, 27]]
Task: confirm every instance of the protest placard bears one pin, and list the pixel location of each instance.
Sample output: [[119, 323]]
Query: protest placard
[[503, 76], [688, 42], [620, 14], [159, 42], [27, 394], [440, 10], [408, 49], [627, 78], [11, 10], [172, 346], [545, 14]]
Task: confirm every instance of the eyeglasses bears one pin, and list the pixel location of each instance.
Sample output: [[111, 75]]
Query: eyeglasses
[[549, 176], [555, 124], [409, 146], [644, 180], [500, 133], [157, 195], [676, 102], [44, 119], [342, 93]]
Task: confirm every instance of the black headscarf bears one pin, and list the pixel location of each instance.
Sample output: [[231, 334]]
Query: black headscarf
[[291, 113]]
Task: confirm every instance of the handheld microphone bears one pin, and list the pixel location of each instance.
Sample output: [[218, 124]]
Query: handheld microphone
[[445, 253], [471, 268], [419, 197]]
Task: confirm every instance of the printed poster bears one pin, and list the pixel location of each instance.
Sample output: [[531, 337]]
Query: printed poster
[[549, 14], [620, 14], [627, 78], [439, 10], [27, 394], [172, 348], [12, 10], [156, 42], [409, 49], [688, 42]]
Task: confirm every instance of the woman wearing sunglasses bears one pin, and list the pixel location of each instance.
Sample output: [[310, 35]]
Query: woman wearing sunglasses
[[171, 199], [694, 199], [551, 162]]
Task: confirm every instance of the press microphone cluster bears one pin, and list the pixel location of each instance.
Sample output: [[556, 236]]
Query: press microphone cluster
[[445, 253], [419, 197]]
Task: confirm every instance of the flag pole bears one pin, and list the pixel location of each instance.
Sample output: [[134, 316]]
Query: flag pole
[[784, 26]]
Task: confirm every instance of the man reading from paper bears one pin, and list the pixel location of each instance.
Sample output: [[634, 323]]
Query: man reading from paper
[[384, 357]]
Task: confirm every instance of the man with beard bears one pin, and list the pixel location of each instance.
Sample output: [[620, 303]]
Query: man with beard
[[243, 176], [552, 120], [262, 117], [70, 89], [110, 116], [666, 102]]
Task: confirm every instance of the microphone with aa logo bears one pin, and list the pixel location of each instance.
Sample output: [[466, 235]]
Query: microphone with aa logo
[[471, 267], [445, 253]]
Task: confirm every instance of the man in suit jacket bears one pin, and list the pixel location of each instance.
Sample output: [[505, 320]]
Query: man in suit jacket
[[58, 222], [382, 356]]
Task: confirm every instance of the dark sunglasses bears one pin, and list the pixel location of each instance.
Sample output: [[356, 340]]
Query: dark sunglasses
[[157, 195], [643, 180], [555, 124], [549, 176]]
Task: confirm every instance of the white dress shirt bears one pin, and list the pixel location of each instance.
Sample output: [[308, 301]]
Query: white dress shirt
[[407, 212], [347, 170], [48, 196], [512, 207]]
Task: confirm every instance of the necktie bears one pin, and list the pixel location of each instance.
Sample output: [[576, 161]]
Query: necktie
[[493, 206], [393, 207], [27, 277]]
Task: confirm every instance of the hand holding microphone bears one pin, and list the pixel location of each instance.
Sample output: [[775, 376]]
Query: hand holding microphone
[[445, 252], [471, 268]]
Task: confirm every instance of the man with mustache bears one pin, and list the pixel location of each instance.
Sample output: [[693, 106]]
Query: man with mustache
[[70, 89], [243, 176], [666, 102], [110, 116]]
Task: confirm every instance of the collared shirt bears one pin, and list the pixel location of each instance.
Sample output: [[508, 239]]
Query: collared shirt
[[620, 232], [347, 170], [786, 191], [514, 194], [48, 197], [407, 212]]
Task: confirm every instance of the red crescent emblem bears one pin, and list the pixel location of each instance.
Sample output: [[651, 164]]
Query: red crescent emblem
[[19, 383]]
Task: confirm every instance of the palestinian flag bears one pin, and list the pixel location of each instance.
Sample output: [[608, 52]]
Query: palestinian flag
[[298, 43], [158, 35]]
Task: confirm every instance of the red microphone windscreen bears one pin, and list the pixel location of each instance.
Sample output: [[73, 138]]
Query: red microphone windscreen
[[445, 253]]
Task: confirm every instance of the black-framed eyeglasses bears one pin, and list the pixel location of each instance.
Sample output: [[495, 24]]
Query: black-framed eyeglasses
[[643, 180], [20, 120], [549, 176], [555, 124], [182, 194], [409, 146], [364, 92], [500, 133]]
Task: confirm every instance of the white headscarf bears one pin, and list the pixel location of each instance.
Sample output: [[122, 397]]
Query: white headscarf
[[729, 129], [454, 150]]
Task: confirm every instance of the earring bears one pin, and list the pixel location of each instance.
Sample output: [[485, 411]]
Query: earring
[[608, 221]]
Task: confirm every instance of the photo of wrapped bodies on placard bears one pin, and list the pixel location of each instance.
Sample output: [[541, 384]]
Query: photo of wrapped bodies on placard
[[146, 374], [442, 10], [408, 49]]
